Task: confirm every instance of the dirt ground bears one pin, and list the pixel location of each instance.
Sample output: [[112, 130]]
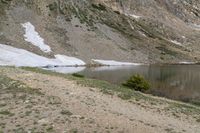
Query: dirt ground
[[60, 105]]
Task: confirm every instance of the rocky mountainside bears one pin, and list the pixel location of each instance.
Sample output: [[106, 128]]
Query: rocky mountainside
[[145, 31]]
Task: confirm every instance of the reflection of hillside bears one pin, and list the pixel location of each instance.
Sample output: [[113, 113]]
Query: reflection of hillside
[[176, 82], [114, 74], [161, 73]]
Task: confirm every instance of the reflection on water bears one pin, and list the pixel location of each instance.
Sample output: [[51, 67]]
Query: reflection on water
[[67, 70], [180, 82]]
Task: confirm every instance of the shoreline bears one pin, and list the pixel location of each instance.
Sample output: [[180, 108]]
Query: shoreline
[[71, 77]]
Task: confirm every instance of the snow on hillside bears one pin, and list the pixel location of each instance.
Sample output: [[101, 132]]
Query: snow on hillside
[[18, 57], [69, 60], [176, 42], [34, 38], [194, 26], [113, 63], [133, 15]]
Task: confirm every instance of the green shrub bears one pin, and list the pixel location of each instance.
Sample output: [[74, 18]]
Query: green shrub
[[99, 7], [78, 75], [52, 6], [66, 112], [138, 83], [117, 12]]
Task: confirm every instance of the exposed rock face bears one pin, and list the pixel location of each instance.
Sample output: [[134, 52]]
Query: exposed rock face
[[146, 31]]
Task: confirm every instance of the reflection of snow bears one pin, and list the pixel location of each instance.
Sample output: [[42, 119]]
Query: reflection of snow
[[66, 70], [186, 62], [33, 37], [19, 57], [110, 68], [113, 63]]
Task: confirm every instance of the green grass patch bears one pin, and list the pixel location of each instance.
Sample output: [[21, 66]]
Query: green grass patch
[[50, 129], [66, 112], [99, 7], [78, 75], [52, 6], [6, 112]]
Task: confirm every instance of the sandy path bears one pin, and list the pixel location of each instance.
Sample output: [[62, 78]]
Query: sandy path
[[101, 112]]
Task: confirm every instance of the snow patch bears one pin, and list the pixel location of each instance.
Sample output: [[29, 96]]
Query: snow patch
[[142, 33], [19, 57], [34, 38], [195, 26], [131, 25], [176, 42], [183, 37], [69, 60], [133, 16], [113, 63]]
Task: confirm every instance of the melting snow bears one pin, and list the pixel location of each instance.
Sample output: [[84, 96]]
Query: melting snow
[[69, 60], [131, 25], [133, 15], [195, 26], [177, 43], [114, 63], [19, 57], [33, 37]]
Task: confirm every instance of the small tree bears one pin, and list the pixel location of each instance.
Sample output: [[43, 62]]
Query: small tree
[[138, 83]]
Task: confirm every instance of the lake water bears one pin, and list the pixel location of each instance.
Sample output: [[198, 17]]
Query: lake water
[[179, 82]]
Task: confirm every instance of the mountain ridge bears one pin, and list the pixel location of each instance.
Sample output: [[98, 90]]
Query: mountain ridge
[[154, 31]]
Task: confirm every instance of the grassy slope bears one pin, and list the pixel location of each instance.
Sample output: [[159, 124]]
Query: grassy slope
[[127, 94]]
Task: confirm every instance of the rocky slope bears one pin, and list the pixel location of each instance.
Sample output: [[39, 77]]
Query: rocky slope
[[147, 31]]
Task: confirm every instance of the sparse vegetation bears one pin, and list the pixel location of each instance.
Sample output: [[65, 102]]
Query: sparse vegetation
[[49, 129], [66, 112], [138, 83], [5, 1], [52, 6], [117, 12], [99, 7], [167, 51], [78, 75], [6, 112]]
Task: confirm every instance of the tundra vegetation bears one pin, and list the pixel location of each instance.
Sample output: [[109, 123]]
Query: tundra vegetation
[[138, 83]]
